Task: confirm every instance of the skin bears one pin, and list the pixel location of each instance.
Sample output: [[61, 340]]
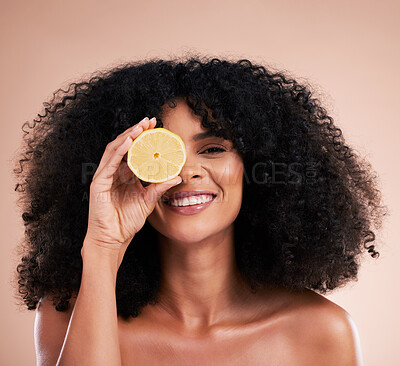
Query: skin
[[200, 283], [206, 313]]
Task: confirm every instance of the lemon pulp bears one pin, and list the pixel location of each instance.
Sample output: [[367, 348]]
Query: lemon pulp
[[156, 155]]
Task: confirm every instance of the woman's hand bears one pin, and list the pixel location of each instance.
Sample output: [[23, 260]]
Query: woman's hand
[[118, 202]]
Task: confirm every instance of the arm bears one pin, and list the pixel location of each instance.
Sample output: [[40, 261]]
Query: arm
[[92, 335], [118, 208], [88, 334]]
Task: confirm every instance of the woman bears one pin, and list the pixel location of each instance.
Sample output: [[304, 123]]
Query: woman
[[119, 277]]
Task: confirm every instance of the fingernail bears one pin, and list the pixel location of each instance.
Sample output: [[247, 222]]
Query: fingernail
[[136, 127], [179, 180], [153, 119]]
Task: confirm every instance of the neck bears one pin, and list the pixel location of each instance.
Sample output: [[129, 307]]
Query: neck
[[200, 281]]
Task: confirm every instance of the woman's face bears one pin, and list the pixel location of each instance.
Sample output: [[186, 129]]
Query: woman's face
[[212, 165]]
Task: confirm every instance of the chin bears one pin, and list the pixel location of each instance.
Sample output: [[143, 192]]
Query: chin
[[185, 234], [192, 229]]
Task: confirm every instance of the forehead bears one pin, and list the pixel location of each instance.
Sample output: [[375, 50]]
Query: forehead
[[180, 114], [183, 121]]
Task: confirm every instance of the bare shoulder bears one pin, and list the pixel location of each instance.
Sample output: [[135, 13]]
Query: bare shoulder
[[321, 332], [47, 303], [50, 329], [47, 312]]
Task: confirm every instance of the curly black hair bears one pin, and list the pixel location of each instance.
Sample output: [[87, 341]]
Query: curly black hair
[[310, 203]]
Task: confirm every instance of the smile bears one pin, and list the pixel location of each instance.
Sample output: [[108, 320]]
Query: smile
[[191, 200], [190, 205]]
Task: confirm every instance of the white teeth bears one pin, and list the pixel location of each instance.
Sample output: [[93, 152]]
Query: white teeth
[[192, 200]]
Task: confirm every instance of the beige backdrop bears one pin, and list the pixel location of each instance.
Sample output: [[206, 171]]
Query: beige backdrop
[[349, 50]]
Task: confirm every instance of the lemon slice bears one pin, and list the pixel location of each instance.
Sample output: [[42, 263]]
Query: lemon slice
[[156, 155]]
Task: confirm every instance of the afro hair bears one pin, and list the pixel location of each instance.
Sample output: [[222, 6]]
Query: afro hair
[[310, 203]]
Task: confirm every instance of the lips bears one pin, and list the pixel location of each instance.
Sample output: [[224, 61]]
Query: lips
[[190, 209], [177, 195]]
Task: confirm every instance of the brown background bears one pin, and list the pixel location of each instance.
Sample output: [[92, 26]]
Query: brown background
[[349, 51]]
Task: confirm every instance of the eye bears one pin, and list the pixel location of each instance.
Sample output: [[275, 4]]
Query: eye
[[214, 149]]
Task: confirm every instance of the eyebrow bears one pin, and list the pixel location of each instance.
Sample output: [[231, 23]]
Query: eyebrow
[[203, 135]]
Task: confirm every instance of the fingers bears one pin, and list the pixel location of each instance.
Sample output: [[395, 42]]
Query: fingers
[[124, 176], [105, 177], [114, 145], [155, 190]]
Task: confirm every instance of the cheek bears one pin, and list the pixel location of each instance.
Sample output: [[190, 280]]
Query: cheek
[[229, 176], [230, 173]]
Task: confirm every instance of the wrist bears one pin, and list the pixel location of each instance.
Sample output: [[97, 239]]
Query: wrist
[[101, 246], [100, 255]]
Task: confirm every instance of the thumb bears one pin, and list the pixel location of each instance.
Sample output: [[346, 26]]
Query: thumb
[[156, 190]]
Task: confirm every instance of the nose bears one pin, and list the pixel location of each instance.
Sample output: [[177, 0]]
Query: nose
[[191, 171]]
